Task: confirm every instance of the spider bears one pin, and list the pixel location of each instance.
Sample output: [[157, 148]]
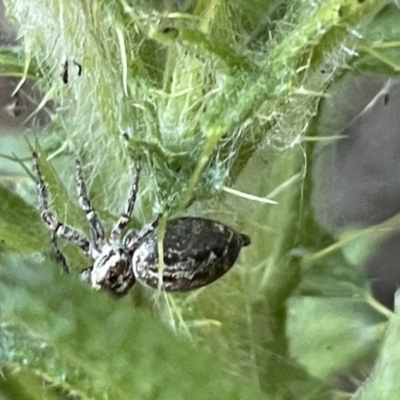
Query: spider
[[197, 251]]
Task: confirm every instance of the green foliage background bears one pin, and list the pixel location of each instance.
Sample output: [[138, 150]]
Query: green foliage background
[[212, 95]]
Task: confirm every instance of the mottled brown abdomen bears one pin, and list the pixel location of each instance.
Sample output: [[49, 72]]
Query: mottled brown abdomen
[[197, 251]]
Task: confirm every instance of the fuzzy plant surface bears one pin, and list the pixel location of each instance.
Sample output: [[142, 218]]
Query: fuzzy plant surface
[[218, 99]]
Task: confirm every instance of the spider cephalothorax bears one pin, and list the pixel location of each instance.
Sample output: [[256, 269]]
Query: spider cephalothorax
[[197, 251]]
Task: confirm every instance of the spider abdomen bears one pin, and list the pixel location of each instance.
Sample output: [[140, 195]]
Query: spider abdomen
[[197, 251]]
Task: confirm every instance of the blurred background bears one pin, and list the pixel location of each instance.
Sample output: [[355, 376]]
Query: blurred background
[[18, 104], [356, 178]]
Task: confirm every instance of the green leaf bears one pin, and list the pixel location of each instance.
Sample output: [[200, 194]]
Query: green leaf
[[383, 383], [125, 352], [329, 335], [20, 225]]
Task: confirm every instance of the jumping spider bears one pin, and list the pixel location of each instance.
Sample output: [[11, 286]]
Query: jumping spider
[[197, 251]]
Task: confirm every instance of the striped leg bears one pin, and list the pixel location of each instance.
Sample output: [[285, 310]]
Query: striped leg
[[134, 238], [129, 206], [57, 228], [95, 224], [59, 256]]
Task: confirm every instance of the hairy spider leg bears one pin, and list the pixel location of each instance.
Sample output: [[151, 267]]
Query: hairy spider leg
[[134, 238], [129, 206], [57, 228], [96, 227], [59, 256]]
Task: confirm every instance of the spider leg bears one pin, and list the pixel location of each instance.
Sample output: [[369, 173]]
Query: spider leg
[[58, 254], [41, 187], [129, 206], [50, 219], [85, 275], [97, 229], [134, 238]]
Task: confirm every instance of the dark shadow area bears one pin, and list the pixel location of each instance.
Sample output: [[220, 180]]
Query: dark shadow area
[[357, 178]]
